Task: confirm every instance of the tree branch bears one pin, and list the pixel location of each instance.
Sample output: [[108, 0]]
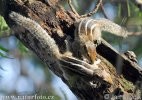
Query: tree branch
[[83, 79], [6, 34]]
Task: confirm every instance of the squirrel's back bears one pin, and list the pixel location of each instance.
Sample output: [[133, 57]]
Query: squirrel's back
[[92, 28]]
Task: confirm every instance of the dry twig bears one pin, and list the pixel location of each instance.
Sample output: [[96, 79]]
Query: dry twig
[[94, 10], [88, 14], [72, 8], [104, 12]]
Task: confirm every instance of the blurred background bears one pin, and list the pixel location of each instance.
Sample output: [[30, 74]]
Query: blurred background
[[22, 72]]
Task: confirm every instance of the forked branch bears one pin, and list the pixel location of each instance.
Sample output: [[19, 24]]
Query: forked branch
[[88, 14]]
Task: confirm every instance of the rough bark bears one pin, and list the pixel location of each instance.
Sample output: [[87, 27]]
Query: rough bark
[[59, 24]]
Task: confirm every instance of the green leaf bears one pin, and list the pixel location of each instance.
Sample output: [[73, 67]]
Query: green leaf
[[3, 49], [133, 21], [119, 9], [128, 9], [3, 26], [22, 48], [3, 55]]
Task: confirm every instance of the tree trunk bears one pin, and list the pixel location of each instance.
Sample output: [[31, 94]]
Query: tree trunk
[[58, 23]]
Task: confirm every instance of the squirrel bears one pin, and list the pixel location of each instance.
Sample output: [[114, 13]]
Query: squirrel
[[89, 30], [52, 52], [37, 32], [35, 29]]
